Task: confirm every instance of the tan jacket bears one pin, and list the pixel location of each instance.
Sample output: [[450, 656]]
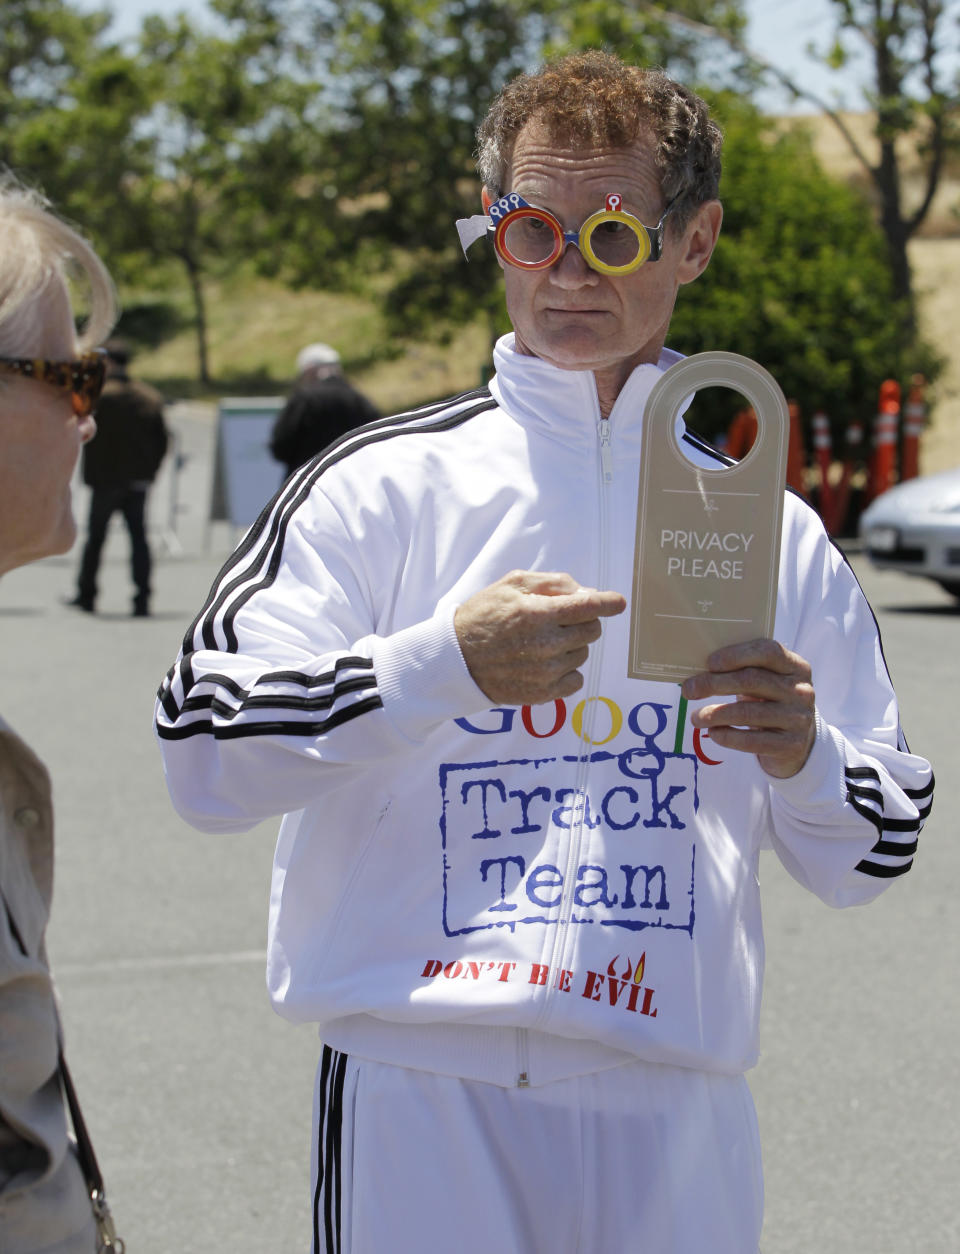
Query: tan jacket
[[44, 1208]]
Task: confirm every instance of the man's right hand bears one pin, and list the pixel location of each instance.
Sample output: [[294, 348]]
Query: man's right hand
[[525, 637]]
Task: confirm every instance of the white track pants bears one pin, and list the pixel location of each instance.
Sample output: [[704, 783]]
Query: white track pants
[[641, 1159]]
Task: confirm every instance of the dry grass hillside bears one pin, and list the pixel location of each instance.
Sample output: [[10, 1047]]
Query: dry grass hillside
[[935, 258], [255, 326]]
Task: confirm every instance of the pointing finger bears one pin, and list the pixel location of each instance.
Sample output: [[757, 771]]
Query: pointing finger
[[587, 604]]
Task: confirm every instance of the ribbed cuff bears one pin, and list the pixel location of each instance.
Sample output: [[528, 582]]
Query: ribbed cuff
[[422, 677], [820, 781]]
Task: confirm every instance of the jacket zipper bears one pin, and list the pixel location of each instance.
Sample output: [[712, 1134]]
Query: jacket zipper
[[523, 1059], [606, 464], [583, 767]]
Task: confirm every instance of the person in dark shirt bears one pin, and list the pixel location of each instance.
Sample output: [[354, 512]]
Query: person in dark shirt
[[119, 465], [322, 407]]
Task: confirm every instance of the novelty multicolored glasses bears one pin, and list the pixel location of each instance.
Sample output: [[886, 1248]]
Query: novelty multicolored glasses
[[83, 378], [611, 241]]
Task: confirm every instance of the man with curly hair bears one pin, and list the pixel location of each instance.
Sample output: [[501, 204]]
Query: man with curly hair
[[515, 895]]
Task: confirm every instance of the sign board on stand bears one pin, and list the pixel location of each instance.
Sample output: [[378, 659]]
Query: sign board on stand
[[245, 473]]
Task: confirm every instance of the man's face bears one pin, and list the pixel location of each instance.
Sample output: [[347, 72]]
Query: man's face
[[573, 316], [40, 439]]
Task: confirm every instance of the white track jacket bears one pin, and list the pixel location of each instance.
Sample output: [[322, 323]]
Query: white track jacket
[[514, 895]]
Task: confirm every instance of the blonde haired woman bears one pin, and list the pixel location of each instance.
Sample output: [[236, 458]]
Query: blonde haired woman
[[50, 378]]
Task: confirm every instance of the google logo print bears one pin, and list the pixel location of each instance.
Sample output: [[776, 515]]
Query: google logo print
[[596, 721]]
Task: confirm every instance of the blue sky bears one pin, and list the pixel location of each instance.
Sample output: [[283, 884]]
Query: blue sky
[[780, 31]]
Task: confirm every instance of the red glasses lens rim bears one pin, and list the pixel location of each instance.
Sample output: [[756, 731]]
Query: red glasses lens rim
[[528, 211]]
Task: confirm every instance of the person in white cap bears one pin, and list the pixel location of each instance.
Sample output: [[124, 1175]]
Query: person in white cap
[[318, 361], [322, 407]]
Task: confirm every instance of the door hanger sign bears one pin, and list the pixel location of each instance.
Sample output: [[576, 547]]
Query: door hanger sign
[[708, 541]]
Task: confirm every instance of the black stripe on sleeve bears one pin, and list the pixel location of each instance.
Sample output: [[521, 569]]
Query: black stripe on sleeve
[[354, 683], [906, 825], [865, 794], [269, 727], [857, 796], [883, 870], [298, 486], [896, 849], [256, 562], [702, 446], [341, 683], [308, 704], [901, 738], [917, 794], [865, 812]]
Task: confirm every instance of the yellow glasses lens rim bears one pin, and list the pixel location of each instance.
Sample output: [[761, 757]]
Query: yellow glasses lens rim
[[635, 225]]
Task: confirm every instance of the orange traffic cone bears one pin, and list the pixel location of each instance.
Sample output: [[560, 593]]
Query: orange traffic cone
[[883, 459], [796, 457], [823, 455], [914, 421], [840, 501]]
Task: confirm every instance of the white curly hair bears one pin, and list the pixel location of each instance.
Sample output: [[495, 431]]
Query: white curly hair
[[37, 250]]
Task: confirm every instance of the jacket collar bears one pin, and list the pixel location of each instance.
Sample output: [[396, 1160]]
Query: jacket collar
[[562, 404]]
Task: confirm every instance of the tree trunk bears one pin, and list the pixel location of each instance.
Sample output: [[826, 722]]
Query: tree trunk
[[897, 235], [886, 175], [199, 314], [884, 29]]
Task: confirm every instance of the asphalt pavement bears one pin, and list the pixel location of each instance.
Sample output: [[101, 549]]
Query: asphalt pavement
[[199, 1098]]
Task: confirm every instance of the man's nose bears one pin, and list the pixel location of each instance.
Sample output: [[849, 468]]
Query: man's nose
[[571, 267]]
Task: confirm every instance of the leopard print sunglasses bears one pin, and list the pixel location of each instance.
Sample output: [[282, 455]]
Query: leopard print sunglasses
[[83, 378]]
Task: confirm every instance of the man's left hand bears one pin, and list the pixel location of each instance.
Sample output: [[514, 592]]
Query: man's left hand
[[774, 713]]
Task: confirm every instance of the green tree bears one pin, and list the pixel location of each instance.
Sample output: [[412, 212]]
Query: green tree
[[910, 95], [224, 105], [177, 150], [69, 101], [681, 36], [799, 281], [44, 44], [911, 47], [408, 82]]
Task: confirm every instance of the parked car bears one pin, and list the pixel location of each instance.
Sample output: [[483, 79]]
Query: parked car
[[915, 528]]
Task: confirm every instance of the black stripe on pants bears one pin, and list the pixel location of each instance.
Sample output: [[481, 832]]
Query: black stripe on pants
[[326, 1199]]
